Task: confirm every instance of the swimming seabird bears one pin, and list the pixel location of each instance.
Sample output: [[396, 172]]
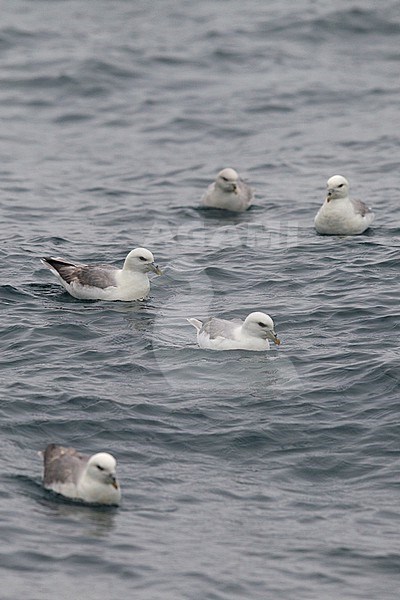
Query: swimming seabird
[[251, 334], [106, 282], [88, 478], [228, 192], [339, 214]]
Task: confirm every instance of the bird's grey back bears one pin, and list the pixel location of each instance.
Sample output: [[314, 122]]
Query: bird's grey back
[[100, 276], [62, 465], [215, 327], [245, 191], [360, 207]]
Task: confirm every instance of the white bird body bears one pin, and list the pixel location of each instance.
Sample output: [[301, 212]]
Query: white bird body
[[106, 282], [78, 477], [228, 192], [221, 334], [341, 215]]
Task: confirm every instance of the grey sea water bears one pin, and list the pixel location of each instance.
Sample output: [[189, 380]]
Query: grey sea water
[[244, 475]]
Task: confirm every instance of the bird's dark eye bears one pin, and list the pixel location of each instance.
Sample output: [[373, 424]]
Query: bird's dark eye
[[142, 258], [224, 178], [100, 468], [341, 185], [261, 324]]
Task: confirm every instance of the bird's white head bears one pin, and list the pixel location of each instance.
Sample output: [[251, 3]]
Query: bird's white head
[[101, 467], [142, 260], [258, 324], [227, 180], [338, 187]]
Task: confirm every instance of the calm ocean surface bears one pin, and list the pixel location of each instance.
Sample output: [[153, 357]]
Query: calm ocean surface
[[256, 476]]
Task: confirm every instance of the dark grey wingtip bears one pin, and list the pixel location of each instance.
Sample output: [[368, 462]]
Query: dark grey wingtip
[[47, 261]]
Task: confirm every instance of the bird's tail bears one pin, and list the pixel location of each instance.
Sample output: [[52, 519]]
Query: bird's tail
[[55, 263], [196, 323]]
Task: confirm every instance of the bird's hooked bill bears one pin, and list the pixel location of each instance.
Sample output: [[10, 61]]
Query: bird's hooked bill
[[273, 337], [156, 269]]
